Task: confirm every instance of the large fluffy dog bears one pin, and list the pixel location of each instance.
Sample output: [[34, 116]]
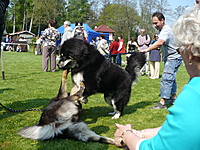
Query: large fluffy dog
[[100, 75], [60, 119]]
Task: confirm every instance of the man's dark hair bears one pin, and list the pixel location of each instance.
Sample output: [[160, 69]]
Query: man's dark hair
[[120, 36], [159, 15], [116, 39], [79, 23]]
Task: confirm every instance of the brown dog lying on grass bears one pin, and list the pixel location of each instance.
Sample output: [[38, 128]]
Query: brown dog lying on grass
[[60, 119]]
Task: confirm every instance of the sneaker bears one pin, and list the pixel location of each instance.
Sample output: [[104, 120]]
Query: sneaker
[[159, 106]]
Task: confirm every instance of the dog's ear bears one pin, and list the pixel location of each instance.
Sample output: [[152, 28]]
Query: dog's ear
[[84, 51]]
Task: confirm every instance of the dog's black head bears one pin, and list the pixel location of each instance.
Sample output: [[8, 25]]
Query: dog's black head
[[73, 52]]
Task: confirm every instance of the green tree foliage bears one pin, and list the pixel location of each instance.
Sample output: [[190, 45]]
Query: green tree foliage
[[22, 12], [78, 10], [126, 17], [147, 8], [121, 17]]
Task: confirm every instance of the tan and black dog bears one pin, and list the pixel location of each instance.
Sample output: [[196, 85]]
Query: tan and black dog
[[60, 119]]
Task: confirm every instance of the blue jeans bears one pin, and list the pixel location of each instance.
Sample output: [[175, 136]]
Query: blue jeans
[[168, 81], [119, 59]]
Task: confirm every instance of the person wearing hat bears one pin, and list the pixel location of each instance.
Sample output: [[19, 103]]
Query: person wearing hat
[[67, 33]]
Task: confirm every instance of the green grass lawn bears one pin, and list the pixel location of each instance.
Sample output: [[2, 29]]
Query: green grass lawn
[[27, 86]]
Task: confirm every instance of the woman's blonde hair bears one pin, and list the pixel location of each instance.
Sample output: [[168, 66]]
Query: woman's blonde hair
[[187, 31]]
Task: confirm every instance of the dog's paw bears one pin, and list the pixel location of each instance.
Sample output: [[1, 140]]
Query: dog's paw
[[83, 100], [116, 116]]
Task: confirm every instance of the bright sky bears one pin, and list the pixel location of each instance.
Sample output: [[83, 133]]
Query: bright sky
[[175, 3]]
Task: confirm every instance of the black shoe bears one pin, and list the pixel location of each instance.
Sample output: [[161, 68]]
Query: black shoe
[[170, 101], [159, 106]]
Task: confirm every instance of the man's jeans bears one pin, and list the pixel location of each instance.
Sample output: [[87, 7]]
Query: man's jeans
[[168, 81]]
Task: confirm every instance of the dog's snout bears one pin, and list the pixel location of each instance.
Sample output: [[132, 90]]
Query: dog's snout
[[60, 65]]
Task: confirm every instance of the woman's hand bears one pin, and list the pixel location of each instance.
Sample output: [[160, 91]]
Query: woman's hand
[[119, 133]]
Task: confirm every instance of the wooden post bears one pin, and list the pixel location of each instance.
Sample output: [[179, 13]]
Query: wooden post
[[2, 61]]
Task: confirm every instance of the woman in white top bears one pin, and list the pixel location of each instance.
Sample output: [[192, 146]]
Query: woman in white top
[[131, 45]]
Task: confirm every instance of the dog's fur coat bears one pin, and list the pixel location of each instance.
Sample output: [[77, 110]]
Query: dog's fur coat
[[99, 74], [60, 119]]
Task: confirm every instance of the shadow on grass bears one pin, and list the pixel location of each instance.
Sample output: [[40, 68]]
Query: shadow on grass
[[7, 89], [132, 108], [91, 115], [70, 144]]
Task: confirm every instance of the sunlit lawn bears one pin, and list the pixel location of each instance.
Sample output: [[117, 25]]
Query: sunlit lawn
[[27, 86]]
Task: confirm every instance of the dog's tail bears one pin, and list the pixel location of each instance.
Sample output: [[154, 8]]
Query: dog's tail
[[135, 63], [37, 132], [77, 130]]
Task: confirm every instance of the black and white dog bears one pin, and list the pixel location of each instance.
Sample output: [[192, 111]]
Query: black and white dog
[[100, 75], [60, 119]]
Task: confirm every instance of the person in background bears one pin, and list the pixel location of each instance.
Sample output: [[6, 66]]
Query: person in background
[[172, 61], [38, 46], [181, 130], [6, 40], [10, 41], [93, 42], [18, 49], [49, 38], [97, 41], [114, 48], [121, 49], [67, 32], [131, 45], [154, 60], [143, 43], [79, 31], [103, 47]]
